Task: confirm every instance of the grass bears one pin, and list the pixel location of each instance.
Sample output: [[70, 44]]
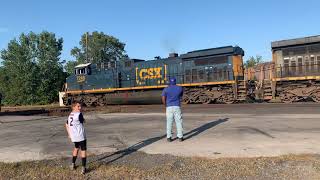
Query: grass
[[282, 167], [43, 170]]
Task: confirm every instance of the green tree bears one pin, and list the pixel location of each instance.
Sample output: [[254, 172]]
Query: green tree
[[32, 68], [102, 48], [4, 80], [252, 61], [19, 64], [51, 69], [69, 67]]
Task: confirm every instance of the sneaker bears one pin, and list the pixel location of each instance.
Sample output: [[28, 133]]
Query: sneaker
[[72, 166], [169, 139], [181, 139], [84, 170]]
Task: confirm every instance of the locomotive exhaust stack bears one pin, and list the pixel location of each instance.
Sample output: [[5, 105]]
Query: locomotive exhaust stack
[[173, 55]]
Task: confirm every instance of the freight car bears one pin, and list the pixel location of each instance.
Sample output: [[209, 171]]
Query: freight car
[[294, 73], [208, 75]]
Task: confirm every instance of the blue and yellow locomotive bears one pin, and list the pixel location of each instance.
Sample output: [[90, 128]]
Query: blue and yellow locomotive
[[208, 76]]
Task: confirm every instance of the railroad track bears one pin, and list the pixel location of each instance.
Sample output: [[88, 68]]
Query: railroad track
[[56, 111]]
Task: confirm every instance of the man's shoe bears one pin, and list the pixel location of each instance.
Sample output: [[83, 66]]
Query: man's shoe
[[72, 166], [84, 170], [181, 139], [169, 139]]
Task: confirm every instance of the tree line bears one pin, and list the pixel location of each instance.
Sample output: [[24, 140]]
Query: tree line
[[32, 71]]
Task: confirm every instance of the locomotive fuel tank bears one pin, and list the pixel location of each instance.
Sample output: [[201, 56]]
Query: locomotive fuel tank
[[139, 97]]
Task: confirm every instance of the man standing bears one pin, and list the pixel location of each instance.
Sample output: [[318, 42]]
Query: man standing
[[171, 97]]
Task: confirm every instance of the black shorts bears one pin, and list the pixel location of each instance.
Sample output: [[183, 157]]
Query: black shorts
[[81, 144]]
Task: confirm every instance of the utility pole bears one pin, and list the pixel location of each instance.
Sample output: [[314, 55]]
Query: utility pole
[[87, 47]]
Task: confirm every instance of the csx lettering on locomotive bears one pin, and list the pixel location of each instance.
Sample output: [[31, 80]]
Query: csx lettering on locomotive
[[150, 73], [81, 79]]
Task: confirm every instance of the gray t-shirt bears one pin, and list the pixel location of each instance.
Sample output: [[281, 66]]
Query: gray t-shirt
[[76, 129]]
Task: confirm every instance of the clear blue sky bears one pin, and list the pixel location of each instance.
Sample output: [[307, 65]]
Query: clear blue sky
[[150, 28]]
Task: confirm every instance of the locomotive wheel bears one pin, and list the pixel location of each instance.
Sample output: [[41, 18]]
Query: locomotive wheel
[[229, 102], [205, 99], [288, 98], [315, 97], [225, 99], [101, 101], [185, 100]]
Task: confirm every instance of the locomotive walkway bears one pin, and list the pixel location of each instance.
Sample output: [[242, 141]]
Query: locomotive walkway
[[214, 131]]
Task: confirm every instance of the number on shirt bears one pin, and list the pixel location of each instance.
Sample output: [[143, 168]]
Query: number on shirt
[[71, 121]]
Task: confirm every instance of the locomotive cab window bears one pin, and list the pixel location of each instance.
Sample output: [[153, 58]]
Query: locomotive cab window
[[83, 69]]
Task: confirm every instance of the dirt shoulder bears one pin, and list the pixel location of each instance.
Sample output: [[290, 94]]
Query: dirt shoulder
[[138, 165]]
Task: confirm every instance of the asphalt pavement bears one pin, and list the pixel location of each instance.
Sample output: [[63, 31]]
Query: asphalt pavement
[[213, 131]]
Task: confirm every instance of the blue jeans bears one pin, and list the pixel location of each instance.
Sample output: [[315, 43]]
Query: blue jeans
[[174, 112]]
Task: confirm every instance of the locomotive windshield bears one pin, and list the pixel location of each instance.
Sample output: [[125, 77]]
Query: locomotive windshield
[[83, 69]]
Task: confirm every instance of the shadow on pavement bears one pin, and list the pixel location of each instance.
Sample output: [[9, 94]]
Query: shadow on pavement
[[203, 128], [121, 153], [110, 158], [255, 130]]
